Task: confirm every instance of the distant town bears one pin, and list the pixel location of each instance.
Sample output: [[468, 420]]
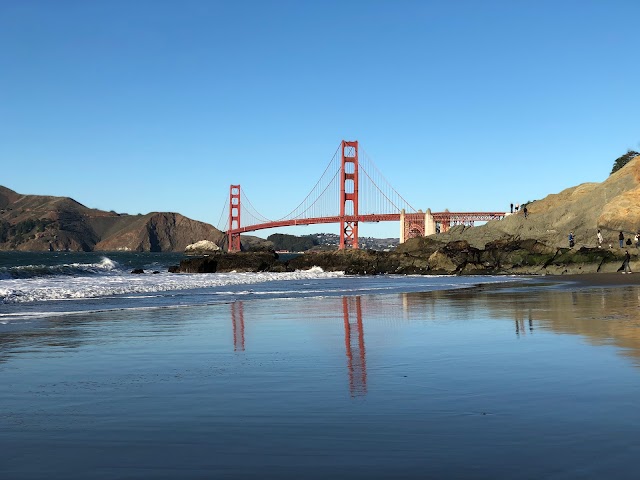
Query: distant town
[[327, 241]]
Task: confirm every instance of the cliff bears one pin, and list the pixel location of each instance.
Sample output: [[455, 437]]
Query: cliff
[[611, 206], [41, 223]]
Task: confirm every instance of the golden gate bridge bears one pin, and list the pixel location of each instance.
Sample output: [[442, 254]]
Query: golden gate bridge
[[351, 190]]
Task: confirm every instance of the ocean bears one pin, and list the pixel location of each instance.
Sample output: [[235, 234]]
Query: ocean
[[34, 284], [106, 374]]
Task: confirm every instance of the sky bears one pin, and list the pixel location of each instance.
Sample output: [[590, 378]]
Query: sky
[[142, 106]]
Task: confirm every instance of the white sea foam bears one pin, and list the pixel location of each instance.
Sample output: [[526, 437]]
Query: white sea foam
[[46, 288]]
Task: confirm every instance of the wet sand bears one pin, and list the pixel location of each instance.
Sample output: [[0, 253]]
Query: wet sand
[[519, 382], [599, 279]]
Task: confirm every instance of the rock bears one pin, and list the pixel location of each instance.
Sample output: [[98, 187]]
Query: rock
[[611, 206], [228, 262], [137, 271], [203, 247]]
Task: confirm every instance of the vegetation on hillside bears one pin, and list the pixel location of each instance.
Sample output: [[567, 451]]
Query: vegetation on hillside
[[623, 160], [17, 232], [292, 243]]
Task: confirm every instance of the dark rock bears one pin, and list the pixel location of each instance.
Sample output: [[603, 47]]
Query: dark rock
[[137, 270], [503, 256], [228, 262]]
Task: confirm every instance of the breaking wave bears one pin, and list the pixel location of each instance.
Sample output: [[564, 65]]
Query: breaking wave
[[60, 287], [105, 265]]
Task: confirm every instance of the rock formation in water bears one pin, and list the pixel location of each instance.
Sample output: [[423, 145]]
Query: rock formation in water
[[41, 223]]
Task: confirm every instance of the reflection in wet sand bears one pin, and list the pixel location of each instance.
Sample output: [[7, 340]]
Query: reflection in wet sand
[[354, 344], [446, 388], [353, 339], [237, 320], [603, 315]]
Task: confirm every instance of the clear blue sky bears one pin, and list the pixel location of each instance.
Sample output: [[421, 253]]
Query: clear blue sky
[[140, 106]]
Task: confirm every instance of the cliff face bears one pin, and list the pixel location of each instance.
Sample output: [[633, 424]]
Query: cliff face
[[160, 232], [611, 206], [41, 223]]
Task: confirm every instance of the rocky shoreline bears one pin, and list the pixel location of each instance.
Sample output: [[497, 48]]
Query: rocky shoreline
[[426, 256]]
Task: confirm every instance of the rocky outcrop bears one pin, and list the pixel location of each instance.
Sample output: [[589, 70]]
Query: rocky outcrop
[[203, 247], [611, 206], [231, 262], [41, 223], [501, 257]]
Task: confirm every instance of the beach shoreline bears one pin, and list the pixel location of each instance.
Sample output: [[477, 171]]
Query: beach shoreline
[[597, 279]]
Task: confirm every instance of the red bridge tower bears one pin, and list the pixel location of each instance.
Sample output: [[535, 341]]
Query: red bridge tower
[[234, 218], [349, 195]]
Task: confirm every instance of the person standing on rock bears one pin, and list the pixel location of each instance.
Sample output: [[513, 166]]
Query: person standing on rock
[[621, 239], [600, 239], [625, 264], [571, 240], [512, 208]]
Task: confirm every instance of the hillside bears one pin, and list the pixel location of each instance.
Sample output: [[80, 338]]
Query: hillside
[[611, 206], [41, 223]]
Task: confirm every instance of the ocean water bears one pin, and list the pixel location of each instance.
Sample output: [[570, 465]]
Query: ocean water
[[36, 285], [105, 374]]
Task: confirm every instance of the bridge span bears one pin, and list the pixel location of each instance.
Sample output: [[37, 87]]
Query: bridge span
[[349, 188]]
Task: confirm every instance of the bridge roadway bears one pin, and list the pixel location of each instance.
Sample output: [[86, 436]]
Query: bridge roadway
[[441, 217]]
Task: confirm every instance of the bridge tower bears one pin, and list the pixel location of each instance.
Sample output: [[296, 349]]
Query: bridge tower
[[349, 195], [234, 218]]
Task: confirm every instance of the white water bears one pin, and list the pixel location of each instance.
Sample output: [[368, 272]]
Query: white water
[[39, 285], [38, 289]]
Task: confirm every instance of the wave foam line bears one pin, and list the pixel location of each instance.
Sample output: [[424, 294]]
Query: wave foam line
[[57, 288]]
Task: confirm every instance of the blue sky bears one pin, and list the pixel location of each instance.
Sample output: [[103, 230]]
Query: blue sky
[[140, 106]]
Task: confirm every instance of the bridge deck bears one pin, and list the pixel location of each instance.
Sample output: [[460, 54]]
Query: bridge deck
[[449, 217]]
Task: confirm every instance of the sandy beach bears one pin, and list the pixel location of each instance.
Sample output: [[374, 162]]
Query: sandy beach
[[599, 279], [523, 381]]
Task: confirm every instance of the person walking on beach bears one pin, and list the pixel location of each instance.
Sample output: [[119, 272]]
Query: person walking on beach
[[637, 239], [621, 239], [625, 264], [571, 240], [524, 209], [600, 239]]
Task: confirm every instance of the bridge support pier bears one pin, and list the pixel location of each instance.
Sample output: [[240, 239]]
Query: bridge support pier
[[429, 223]]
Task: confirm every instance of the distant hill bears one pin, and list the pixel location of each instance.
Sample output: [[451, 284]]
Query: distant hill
[[611, 206], [41, 223]]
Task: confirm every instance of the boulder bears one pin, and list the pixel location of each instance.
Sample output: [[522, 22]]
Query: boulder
[[203, 247]]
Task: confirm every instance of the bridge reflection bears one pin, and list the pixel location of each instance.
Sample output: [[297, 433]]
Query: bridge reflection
[[237, 319], [354, 345], [353, 340]]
